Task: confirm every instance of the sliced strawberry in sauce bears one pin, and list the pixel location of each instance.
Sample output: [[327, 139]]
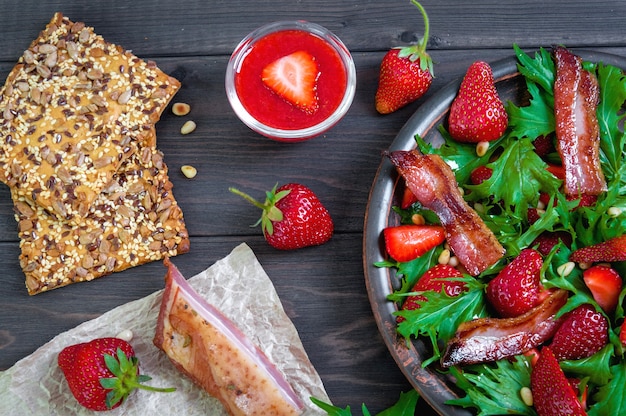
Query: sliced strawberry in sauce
[[294, 78]]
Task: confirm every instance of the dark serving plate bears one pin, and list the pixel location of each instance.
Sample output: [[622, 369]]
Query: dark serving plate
[[436, 388]]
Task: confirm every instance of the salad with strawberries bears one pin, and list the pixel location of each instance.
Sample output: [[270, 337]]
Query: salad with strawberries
[[511, 248]]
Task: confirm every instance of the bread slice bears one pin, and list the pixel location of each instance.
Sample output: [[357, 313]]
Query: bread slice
[[134, 220], [72, 109]]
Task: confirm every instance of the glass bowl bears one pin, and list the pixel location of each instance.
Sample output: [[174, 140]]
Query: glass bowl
[[266, 112]]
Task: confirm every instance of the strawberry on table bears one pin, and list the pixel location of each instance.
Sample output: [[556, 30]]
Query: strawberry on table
[[553, 395], [294, 78], [583, 332], [477, 113], [610, 250], [605, 285], [408, 242], [517, 288], [293, 217], [102, 373], [406, 73]]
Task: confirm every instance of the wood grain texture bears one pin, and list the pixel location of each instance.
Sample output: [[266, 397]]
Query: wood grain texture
[[322, 288]]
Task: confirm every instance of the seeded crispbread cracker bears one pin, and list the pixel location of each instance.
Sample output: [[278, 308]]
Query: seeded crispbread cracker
[[71, 110], [133, 221]]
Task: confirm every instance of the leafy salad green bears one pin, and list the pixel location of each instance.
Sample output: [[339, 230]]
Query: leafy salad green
[[519, 176]]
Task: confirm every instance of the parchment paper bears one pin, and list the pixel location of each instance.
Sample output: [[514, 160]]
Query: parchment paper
[[237, 285]]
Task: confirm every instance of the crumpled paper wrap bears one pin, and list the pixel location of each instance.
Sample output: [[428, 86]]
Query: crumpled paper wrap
[[237, 285]]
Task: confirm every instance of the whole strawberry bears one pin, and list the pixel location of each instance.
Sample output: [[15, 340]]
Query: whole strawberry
[[293, 217], [517, 288], [405, 73], [477, 114], [583, 332], [553, 394], [102, 373]]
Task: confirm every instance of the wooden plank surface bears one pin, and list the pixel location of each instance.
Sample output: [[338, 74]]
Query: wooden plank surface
[[322, 288]]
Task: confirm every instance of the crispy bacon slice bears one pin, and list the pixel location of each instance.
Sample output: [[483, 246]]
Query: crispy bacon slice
[[206, 346], [576, 97], [490, 339], [433, 183]]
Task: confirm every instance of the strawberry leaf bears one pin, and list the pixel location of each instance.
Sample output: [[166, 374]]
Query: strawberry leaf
[[494, 389]]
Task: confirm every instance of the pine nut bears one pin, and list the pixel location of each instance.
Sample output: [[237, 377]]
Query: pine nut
[[614, 212], [481, 148], [189, 171], [418, 219], [181, 109], [125, 334], [454, 261], [444, 257], [188, 127], [584, 265], [526, 395], [565, 269]]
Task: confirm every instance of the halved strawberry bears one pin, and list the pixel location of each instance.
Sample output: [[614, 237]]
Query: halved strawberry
[[610, 250], [544, 145], [583, 332], [552, 392], [605, 285], [480, 175], [546, 241], [556, 170], [622, 334], [438, 277], [294, 78], [517, 288], [408, 242], [408, 198]]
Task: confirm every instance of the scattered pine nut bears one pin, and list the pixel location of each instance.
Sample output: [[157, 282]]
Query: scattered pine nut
[[614, 212], [188, 127], [526, 395], [454, 261], [418, 219], [125, 334], [444, 257], [566, 268], [181, 109], [189, 171], [481, 148], [584, 265]]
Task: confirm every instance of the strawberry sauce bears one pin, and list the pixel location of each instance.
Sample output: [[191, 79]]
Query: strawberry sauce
[[269, 108]]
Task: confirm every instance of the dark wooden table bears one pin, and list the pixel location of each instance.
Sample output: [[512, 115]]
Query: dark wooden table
[[322, 288]]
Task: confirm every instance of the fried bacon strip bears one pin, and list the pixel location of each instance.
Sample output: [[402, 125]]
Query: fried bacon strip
[[576, 97], [490, 339], [433, 183]]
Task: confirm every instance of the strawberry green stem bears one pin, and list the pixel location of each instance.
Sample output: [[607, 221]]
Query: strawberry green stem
[[247, 198], [424, 40]]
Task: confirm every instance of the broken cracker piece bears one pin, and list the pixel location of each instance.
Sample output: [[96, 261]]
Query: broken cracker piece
[[72, 109], [134, 220]]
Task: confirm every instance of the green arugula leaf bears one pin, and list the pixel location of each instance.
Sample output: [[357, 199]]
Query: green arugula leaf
[[405, 406], [611, 398], [540, 69], [494, 389], [533, 120], [596, 367], [439, 316]]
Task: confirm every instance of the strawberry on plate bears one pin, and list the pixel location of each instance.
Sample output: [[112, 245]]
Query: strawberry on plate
[[293, 217], [294, 78], [408, 242], [517, 288], [406, 73], [553, 394], [583, 332], [103, 372], [437, 278], [610, 250], [480, 174], [477, 113], [605, 285]]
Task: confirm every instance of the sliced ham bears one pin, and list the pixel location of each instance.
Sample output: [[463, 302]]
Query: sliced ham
[[576, 96], [435, 187], [209, 348]]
